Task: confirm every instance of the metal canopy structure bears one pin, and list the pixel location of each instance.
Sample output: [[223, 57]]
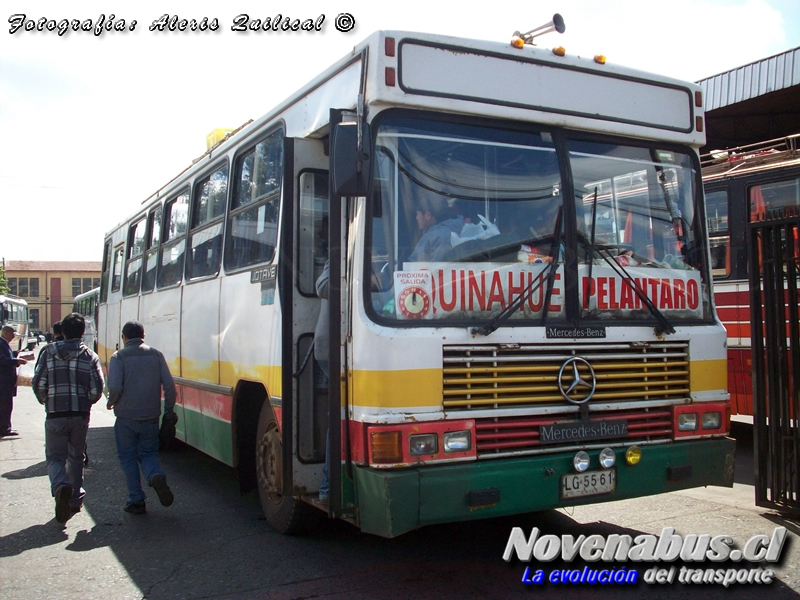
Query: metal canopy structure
[[755, 102]]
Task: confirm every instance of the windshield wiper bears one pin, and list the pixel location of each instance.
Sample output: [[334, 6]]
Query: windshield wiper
[[679, 224], [664, 326], [550, 270]]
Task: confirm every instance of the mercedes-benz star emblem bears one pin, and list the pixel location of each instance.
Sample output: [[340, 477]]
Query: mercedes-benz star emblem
[[575, 382]]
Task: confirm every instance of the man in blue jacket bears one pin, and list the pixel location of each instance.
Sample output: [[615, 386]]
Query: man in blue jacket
[[136, 375]]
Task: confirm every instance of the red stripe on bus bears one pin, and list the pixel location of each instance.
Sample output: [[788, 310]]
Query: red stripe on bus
[[212, 404], [738, 329], [727, 315], [732, 298]]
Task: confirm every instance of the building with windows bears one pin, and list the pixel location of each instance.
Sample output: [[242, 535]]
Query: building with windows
[[50, 286]]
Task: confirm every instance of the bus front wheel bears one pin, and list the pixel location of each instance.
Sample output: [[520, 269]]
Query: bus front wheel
[[284, 514]]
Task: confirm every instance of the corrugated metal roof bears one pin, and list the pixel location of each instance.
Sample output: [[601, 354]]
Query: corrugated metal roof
[[750, 81]]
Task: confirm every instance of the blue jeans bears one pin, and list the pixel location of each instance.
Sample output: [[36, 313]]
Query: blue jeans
[[324, 485], [64, 441], [137, 445]]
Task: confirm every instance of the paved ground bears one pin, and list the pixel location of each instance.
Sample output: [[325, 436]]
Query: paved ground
[[214, 543]]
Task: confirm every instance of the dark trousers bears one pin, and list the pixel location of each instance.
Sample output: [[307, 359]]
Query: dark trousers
[[6, 406], [65, 439]]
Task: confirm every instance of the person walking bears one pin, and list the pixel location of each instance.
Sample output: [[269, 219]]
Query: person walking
[[68, 381], [321, 346], [137, 374], [8, 380], [56, 336]]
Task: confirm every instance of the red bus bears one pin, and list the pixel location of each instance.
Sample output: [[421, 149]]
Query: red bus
[[742, 185]]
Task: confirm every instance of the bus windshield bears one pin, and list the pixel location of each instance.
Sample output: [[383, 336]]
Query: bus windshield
[[467, 219]]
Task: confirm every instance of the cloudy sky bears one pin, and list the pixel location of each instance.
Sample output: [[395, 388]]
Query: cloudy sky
[[92, 125]]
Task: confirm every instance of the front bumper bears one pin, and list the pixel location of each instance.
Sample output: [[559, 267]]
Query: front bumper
[[391, 503]]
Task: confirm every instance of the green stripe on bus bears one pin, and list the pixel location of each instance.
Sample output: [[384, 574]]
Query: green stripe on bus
[[206, 433]]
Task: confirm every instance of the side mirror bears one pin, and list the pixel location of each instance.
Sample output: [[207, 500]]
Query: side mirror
[[350, 165]]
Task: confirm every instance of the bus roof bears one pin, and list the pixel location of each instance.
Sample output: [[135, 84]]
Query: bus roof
[[426, 71], [13, 299], [766, 155]]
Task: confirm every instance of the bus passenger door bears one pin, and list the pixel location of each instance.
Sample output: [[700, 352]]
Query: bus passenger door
[[304, 426]]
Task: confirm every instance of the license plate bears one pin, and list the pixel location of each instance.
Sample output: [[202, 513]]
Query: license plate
[[577, 485]]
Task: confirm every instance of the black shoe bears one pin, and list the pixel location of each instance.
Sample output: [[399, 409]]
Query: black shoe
[[159, 484], [9, 433], [136, 508], [63, 494]]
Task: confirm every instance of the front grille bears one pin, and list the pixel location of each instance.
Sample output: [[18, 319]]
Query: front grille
[[491, 376], [501, 435]]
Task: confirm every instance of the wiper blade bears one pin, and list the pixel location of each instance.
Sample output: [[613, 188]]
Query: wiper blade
[[550, 270], [679, 225], [505, 314], [554, 255], [664, 326]]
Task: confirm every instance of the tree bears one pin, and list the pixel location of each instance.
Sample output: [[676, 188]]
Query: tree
[[3, 281]]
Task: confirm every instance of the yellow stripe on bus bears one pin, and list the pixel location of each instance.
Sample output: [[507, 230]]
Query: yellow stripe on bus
[[409, 388], [395, 389], [708, 375], [270, 375]]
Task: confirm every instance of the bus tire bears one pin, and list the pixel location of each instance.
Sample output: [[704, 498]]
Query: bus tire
[[284, 514]]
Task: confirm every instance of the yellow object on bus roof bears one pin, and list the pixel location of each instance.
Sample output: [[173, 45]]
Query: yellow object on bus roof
[[215, 137]]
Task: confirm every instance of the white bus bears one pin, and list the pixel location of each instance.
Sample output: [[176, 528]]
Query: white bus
[[86, 305], [551, 342], [15, 314]]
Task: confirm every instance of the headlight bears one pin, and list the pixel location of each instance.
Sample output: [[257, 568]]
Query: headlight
[[423, 444], [712, 420], [457, 441], [633, 455], [607, 458], [580, 461], [687, 421]]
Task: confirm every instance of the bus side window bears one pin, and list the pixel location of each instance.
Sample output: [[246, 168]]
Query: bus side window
[[205, 239], [771, 196], [133, 266], [255, 204], [151, 253], [116, 275], [170, 270], [312, 230], [105, 274], [719, 236]]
